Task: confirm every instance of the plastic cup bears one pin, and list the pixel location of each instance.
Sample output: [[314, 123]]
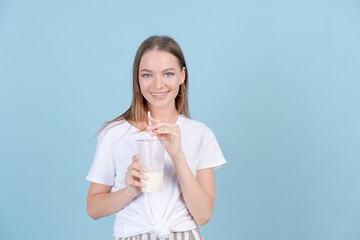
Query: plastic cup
[[152, 152]]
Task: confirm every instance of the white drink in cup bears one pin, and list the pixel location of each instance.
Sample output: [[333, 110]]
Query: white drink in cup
[[152, 153]]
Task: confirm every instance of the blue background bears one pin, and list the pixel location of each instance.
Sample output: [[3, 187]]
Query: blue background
[[277, 81]]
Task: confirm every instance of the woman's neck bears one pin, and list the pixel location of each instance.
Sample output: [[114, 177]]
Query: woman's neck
[[167, 115]]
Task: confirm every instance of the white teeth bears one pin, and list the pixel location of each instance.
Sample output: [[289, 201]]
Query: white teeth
[[159, 94]]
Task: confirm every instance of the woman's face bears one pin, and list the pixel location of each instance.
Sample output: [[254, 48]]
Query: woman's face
[[160, 76]]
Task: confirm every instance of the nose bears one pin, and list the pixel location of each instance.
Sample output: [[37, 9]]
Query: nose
[[158, 82]]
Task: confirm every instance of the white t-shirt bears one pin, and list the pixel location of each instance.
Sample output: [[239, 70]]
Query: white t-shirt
[[160, 212]]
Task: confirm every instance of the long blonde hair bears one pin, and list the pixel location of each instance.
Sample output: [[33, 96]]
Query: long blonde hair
[[138, 109]]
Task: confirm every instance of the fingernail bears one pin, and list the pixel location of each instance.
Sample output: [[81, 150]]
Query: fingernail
[[144, 169], [143, 184], [146, 177]]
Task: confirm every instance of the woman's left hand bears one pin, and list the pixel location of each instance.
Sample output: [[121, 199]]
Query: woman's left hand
[[169, 132]]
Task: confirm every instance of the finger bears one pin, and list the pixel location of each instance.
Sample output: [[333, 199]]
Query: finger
[[138, 166], [136, 183], [172, 127], [136, 157], [162, 137], [139, 175], [129, 178], [166, 131]]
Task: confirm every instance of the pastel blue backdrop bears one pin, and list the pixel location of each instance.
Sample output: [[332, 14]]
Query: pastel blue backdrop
[[277, 81]]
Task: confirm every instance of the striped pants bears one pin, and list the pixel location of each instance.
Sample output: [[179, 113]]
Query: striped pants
[[188, 235]]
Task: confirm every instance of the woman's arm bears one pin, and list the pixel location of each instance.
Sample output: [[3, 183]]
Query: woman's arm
[[101, 202], [199, 192]]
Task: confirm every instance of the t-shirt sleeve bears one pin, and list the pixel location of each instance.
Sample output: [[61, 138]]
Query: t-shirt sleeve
[[103, 169], [210, 154]]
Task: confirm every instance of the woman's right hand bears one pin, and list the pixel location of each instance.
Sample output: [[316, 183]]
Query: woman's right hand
[[133, 176]]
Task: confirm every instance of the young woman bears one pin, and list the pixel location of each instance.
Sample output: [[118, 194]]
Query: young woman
[[160, 81]]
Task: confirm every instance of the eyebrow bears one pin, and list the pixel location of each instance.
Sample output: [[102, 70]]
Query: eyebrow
[[147, 70], [168, 69]]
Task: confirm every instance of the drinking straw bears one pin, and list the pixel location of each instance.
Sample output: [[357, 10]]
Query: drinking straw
[[151, 137], [152, 143]]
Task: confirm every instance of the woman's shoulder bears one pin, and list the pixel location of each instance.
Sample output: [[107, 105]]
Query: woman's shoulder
[[194, 125], [114, 129]]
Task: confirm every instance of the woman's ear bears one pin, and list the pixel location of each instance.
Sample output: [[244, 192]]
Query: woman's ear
[[183, 74]]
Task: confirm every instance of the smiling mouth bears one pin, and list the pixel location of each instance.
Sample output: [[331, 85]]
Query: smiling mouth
[[159, 94]]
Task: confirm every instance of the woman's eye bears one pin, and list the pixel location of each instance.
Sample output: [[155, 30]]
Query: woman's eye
[[146, 75], [168, 74]]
